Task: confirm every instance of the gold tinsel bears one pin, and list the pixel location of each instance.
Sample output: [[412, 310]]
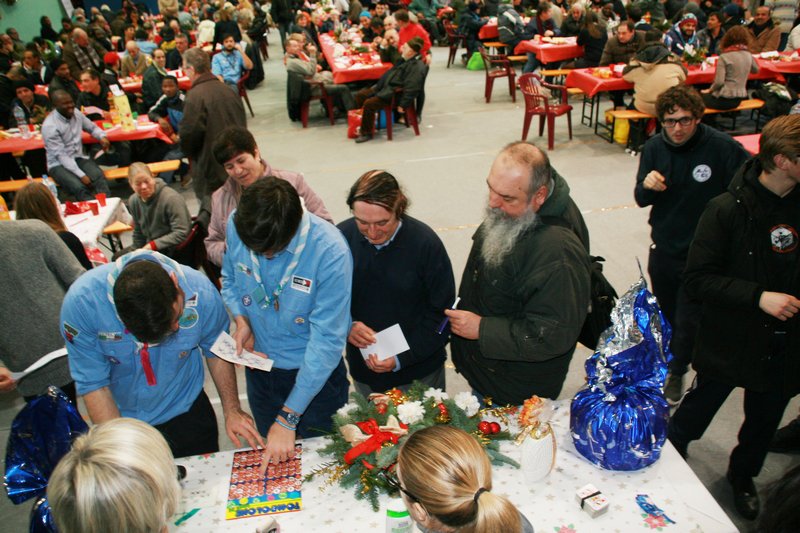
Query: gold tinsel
[[366, 484], [397, 396], [442, 418], [332, 472]]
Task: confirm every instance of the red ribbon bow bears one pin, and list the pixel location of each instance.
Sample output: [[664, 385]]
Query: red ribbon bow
[[374, 443]]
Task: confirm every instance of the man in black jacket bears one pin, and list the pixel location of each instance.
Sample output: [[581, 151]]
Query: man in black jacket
[[743, 266], [408, 75], [680, 170]]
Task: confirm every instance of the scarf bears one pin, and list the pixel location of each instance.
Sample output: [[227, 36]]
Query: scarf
[[87, 57]]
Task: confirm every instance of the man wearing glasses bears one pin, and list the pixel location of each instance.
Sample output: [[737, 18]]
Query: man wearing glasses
[[134, 330], [680, 170]]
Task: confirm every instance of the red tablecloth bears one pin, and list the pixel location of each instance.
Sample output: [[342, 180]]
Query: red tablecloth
[[147, 130], [750, 142], [135, 86], [350, 74], [488, 31], [551, 53], [591, 84], [783, 67]]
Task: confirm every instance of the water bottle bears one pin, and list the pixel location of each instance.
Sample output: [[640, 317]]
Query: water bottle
[[50, 185], [22, 122]]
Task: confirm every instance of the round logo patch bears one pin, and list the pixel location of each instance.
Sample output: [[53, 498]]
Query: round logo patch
[[246, 300], [189, 318], [783, 239], [701, 173]]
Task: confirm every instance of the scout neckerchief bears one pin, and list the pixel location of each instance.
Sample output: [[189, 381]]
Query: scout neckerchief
[[261, 296], [143, 348]]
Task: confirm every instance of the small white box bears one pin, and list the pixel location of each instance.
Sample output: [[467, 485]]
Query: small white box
[[591, 500]]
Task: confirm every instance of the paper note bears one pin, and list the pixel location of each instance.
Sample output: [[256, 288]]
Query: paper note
[[16, 376], [388, 343], [225, 348]]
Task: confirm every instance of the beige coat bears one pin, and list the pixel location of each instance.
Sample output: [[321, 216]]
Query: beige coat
[[650, 80]]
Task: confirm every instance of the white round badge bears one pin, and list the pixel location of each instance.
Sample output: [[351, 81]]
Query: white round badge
[[701, 173]]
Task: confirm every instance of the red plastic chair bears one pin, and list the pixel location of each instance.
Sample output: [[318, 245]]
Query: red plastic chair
[[410, 114], [539, 101], [498, 66], [454, 39], [243, 91]]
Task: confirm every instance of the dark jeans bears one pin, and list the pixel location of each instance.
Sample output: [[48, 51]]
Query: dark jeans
[[68, 389], [715, 102], [762, 414], [370, 104], [73, 184], [194, 432], [682, 312], [119, 155], [267, 393]]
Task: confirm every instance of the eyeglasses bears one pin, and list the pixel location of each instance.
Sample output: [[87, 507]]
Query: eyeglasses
[[393, 482], [672, 122]]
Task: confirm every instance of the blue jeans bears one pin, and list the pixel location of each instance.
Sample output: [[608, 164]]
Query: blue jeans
[[267, 392], [73, 184]]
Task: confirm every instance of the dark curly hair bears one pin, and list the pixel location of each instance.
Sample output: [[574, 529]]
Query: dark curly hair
[[680, 96]]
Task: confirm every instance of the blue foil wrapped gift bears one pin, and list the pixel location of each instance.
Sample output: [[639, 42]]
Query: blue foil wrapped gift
[[40, 436], [619, 420]]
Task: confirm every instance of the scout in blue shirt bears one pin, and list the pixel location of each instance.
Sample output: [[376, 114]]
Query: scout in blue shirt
[[134, 331], [229, 64], [286, 279]]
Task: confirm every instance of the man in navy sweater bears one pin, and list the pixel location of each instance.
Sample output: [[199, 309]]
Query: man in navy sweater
[[401, 275]]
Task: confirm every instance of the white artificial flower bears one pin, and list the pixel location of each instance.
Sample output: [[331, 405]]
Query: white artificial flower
[[437, 394], [467, 402], [346, 409], [410, 412]]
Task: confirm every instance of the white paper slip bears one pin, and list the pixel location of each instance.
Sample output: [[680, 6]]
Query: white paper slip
[[92, 110], [99, 154], [388, 343], [16, 376], [225, 348]]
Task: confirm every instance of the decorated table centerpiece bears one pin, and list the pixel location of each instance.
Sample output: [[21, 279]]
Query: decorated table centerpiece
[[367, 432], [694, 55]]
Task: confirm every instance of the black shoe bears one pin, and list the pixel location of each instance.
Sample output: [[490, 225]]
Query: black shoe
[[745, 495], [787, 438], [363, 138]]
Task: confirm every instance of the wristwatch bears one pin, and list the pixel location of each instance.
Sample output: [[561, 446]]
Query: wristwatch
[[292, 418]]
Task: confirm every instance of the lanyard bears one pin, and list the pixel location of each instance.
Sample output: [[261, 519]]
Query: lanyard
[[265, 301]]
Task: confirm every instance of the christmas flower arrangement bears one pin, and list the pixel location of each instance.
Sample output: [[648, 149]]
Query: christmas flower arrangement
[[693, 56], [367, 432]]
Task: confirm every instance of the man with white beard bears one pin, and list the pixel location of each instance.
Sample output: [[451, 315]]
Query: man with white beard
[[525, 288]]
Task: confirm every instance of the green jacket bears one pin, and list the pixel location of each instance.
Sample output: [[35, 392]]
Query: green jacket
[[532, 307]]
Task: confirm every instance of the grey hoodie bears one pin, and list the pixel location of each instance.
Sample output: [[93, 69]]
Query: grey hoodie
[[163, 219]]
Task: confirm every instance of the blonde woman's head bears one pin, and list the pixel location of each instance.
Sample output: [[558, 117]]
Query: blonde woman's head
[[118, 477], [447, 481]]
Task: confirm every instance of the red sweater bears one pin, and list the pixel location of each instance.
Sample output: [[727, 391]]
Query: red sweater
[[414, 30]]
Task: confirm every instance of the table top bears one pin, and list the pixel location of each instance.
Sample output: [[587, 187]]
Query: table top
[[134, 85], [750, 142], [549, 504], [88, 227], [344, 69], [144, 130], [548, 52], [590, 84]]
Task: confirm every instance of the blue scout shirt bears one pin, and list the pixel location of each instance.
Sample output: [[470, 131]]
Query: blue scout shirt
[[102, 353], [229, 65], [309, 330]]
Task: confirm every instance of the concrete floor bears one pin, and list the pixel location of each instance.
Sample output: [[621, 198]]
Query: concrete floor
[[443, 172]]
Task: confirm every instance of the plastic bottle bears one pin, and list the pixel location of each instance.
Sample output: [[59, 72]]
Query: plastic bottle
[[50, 185], [22, 122], [112, 110], [398, 520]]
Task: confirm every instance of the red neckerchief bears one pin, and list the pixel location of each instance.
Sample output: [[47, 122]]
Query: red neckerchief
[[144, 355], [736, 48]]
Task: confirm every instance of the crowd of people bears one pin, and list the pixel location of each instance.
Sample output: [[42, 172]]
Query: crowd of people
[[311, 295]]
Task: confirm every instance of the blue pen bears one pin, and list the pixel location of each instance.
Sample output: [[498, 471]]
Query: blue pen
[[444, 322]]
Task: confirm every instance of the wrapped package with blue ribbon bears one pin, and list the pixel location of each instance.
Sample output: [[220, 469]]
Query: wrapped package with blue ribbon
[[40, 436], [619, 420]]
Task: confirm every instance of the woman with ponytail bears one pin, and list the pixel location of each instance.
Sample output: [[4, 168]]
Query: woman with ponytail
[[445, 479]]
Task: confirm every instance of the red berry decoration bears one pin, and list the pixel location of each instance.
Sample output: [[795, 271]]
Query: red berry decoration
[[495, 427], [442, 408], [381, 408], [485, 427]]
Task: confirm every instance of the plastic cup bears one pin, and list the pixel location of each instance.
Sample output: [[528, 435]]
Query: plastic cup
[[101, 199], [95, 208]]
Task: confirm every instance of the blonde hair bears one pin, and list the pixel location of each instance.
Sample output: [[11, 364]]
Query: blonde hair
[[138, 168], [445, 469], [118, 477]]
